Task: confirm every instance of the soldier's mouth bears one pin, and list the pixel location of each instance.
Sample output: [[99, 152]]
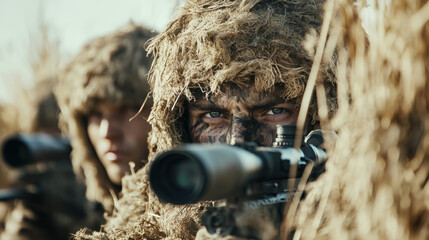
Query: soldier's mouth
[[116, 155]]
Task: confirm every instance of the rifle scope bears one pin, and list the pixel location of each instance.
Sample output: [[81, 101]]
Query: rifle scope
[[24, 149], [196, 172]]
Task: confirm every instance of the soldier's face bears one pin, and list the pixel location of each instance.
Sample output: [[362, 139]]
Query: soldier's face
[[240, 115], [116, 140]]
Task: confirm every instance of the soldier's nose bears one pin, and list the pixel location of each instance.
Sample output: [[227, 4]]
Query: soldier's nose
[[240, 130], [108, 129]]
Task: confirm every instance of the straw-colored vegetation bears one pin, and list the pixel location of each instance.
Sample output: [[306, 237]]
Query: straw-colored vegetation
[[375, 186]]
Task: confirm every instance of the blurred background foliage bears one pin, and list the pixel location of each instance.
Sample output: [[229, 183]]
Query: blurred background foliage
[[38, 37]]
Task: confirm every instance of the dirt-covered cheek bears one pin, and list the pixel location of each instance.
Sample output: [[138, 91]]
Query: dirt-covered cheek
[[204, 133]]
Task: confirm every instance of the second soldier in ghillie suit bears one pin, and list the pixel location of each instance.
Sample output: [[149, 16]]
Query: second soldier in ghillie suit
[[212, 50], [109, 73], [54, 205]]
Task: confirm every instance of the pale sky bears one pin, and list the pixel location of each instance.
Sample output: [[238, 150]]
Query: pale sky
[[70, 22]]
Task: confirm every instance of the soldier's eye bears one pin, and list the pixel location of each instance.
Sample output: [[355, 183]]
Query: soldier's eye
[[213, 115], [273, 111]]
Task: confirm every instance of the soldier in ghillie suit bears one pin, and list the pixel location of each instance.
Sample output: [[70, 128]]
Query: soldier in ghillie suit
[[223, 72], [57, 205], [98, 93]]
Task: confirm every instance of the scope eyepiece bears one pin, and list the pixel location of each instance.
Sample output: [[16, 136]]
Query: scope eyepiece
[[285, 136]]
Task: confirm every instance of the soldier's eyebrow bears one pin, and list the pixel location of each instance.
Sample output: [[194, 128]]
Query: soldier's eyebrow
[[207, 105], [204, 105], [267, 104]]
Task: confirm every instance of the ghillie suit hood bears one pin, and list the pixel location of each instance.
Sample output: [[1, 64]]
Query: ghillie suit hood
[[113, 67], [214, 43], [209, 45], [41, 108], [376, 180]]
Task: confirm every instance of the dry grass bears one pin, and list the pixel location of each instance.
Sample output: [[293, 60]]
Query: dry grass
[[375, 186]]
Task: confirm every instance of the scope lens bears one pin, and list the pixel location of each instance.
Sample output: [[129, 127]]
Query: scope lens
[[184, 175], [16, 153], [177, 177]]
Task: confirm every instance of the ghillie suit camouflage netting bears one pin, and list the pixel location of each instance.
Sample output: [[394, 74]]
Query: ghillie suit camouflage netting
[[40, 112], [376, 184], [209, 45], [113, 67]]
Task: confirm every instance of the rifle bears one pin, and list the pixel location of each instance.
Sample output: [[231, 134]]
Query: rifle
[[46, 175], [25, 149], [246, 175]]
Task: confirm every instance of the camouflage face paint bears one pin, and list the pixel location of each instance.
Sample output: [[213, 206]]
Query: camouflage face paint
[[239, 115]]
